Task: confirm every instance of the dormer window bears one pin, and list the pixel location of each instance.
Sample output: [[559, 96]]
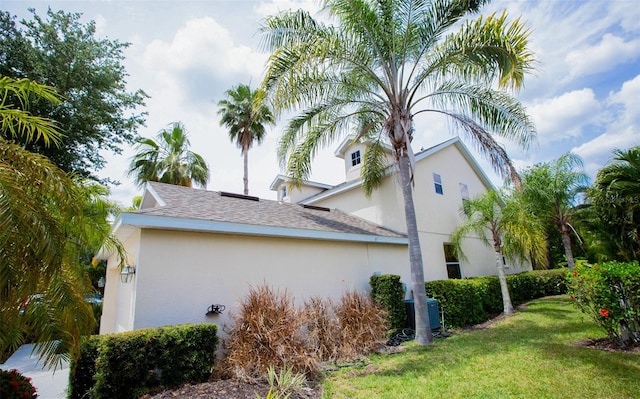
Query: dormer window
[[355, 158]]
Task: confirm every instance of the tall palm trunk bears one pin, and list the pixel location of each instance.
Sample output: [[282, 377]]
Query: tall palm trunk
[[566, 242], [507, 306], [245, 179], [423, 326]]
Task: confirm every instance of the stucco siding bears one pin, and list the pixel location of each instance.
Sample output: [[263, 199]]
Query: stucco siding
[[437, 215], [180, 274], [118, 305]]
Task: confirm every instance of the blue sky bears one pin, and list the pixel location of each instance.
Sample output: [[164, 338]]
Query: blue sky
[[584, 96]]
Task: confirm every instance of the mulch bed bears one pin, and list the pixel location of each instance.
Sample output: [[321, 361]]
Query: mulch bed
[[609, 345], [229, 389]]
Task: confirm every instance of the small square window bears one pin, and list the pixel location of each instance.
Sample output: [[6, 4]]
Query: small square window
[[355, 158], [437, 181]]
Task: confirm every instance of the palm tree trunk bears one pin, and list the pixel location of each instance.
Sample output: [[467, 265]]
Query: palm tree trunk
[[245, 179], [507, 306], [566, 242], [423, 326]]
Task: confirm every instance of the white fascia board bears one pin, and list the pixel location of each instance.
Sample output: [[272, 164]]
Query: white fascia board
[[275, 184], [150, 191], [330, 193], [173, 223], [474, 164]]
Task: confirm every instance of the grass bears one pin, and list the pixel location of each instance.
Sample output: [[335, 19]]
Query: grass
[[528, 355]]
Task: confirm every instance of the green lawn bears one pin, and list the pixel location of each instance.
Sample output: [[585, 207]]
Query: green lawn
[[529, 355]]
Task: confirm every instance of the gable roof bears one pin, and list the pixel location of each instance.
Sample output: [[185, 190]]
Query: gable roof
[[455, 141], [171, 207]]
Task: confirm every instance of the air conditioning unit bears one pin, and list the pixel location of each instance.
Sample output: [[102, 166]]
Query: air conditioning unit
[[432, 308]]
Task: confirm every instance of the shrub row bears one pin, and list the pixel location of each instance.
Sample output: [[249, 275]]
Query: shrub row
[[468, 301], [610, 294], [475, 300], [127, 365]]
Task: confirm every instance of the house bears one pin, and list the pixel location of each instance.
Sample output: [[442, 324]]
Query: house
[[193, 254]]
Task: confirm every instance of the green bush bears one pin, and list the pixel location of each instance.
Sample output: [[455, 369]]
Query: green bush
[[387, 291], [127, 365], [461, 300], [474, 300], [610, 294]]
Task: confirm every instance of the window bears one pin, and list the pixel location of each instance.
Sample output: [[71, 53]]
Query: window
[[284, 191], [452, 262], [437, 181], [464, 192], [355, 158]]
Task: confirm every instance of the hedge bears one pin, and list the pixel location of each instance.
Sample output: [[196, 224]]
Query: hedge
[[130, 364], [476, 299], [387, 291]]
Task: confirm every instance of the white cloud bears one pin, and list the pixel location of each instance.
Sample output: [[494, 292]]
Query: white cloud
[[622, 129], [205, 43], [564, 116], [611, 51]]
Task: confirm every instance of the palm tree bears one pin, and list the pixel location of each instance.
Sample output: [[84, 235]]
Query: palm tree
[[379, 65], [615, 198], [551, 189], [43, 228], [503, 222], [244, 113], [169, 160]]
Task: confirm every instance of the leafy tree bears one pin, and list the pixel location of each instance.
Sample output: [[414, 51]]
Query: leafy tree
[[97, 113], [503, 222], [380, 64], [552, 191], [615, 201], [169, 160], [46, 223], [245, 113]]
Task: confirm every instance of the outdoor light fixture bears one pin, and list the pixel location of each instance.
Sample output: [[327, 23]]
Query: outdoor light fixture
[[215, 309], [127, 272]]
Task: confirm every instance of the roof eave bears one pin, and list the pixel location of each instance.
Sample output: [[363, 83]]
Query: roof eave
[[199, 225]]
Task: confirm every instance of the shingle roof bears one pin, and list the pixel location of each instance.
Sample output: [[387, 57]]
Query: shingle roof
[[196, 204]]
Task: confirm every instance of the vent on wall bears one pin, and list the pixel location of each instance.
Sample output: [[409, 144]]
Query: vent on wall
[[316, 208], [240, 196]]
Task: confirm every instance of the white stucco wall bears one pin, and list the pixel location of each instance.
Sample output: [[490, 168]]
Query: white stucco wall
[[180, 274], [437, 215], [118, 305]]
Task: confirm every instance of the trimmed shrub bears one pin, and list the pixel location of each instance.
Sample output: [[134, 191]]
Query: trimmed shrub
[[474, 300], [14, 385], [388, 293], [610, 294], [127, 365], [83, 369], [461, 300]]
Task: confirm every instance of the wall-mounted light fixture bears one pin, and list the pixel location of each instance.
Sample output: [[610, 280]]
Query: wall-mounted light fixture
[[215, 309], [127, 272]]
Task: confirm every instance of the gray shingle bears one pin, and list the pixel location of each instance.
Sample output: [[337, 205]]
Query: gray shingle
[[190, 203]]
